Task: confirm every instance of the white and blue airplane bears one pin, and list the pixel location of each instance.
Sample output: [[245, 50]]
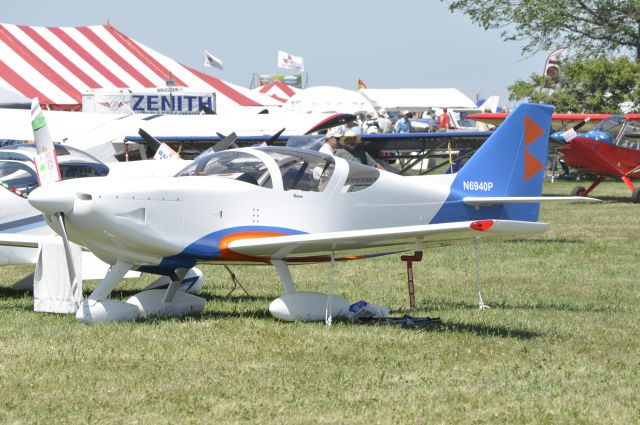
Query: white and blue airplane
[[284, 206]]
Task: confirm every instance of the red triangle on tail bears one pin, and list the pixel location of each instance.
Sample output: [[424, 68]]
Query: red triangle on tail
[[531, 166], [531, 131]]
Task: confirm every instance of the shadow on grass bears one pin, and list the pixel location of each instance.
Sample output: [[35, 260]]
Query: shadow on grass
[[12, 293], [484, 330], [448, 305], [421, 324], [259, 314], [547, 241], [613, 199], [16, 300], [124, 294]]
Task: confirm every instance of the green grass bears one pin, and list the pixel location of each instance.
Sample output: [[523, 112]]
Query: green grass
[[559, 345]]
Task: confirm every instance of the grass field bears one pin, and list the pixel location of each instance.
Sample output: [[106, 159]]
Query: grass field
[[560, 344]]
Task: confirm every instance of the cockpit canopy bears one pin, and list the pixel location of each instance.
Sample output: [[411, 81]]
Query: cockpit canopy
[[18, 173], [299, 169], [617, 130]]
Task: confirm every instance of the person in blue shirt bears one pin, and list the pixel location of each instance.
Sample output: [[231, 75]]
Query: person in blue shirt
[[403, 125]]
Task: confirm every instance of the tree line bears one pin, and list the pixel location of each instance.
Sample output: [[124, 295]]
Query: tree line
[[602, 72]]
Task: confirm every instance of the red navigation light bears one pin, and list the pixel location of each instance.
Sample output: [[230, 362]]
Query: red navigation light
[[481, 226]]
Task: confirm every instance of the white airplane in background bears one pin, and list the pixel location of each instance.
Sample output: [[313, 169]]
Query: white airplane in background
[[283, 206], [104, 135], [23, 229]]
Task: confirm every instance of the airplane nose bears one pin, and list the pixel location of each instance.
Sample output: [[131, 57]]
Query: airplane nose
[[50, 201]]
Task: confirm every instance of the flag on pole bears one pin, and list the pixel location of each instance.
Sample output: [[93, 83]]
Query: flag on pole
[[285, 60], [551, 66], [361, 84], [211, 61]]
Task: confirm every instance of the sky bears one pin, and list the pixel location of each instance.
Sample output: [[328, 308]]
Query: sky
[[412, 44]]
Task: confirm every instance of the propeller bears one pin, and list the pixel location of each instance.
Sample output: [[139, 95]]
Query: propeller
[[48, 201], [226, 142], [67, 251], [149, 140], [581, 124], [268, 142], [275, 137], [223, 144], [162, 150]]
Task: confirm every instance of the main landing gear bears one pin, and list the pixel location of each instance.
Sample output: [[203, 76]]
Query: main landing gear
[[169, 302], [305, 306], [581, 191]]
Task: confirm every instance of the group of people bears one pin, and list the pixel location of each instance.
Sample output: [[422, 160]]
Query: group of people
[[368, 124], [345, 141], [348, 146], [440, 123]]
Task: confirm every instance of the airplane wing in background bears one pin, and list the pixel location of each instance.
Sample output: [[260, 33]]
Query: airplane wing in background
[[354, 242], [425, 141], [558, 121], [20, 240], [401, 141], [411, 146]]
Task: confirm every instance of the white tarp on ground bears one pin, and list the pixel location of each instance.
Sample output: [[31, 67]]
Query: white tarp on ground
[[329, 99], [58, 64], [417, 100]]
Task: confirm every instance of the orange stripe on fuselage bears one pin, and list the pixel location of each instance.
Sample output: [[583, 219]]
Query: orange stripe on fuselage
[[228, 254]]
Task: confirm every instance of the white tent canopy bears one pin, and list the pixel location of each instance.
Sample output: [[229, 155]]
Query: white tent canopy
[[11, 99], [329, 99], [58, 64], [416, 100]]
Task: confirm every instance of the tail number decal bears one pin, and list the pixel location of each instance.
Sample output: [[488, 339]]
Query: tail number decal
[[477, 186]]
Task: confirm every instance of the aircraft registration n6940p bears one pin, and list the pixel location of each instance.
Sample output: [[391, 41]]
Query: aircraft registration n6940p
[[284, 206]]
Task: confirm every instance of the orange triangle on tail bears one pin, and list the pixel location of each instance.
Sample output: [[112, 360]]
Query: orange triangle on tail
[[531, 131], [531, 166]]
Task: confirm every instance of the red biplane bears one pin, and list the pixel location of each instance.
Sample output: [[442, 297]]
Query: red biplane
[[611, 149]]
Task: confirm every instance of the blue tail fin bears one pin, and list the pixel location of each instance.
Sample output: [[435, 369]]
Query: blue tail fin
[[510, 163]]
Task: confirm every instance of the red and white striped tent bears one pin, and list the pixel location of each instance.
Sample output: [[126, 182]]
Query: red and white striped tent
[[59, 64], [278, 90]]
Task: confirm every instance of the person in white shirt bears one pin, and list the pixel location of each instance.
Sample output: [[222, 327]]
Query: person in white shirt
[[330, 142], [384, 122]]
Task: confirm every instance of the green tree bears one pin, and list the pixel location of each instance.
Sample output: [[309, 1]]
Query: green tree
[[595, 27], [595, 85]]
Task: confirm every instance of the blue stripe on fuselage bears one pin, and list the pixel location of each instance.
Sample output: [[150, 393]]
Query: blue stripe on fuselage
[[207, 248]]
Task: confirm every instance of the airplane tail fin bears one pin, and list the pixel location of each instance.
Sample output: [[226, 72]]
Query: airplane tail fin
[[510, 164], [490, 104]]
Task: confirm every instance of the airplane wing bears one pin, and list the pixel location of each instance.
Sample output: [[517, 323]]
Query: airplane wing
[[425, 141], [407, 237], [558, 121], [20, 240]]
